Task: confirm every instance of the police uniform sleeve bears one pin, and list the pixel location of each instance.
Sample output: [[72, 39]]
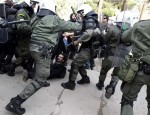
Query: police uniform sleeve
[[108, 35], [126, 36], [68, 26], [90, 30], [23, 28], [86, 36]]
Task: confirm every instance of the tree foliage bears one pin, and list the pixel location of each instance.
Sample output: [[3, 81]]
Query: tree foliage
[[109, 6]]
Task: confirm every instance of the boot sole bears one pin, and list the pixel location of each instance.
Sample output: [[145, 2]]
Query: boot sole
[[11, 110], [67, 87], [10, 74], [108, 93], [83, 83], [98, 87]]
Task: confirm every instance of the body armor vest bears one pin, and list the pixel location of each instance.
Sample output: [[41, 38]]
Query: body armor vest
[[90, 22]]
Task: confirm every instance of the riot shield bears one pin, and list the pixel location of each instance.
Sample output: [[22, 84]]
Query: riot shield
[[3, 35], [3, 31], [4, 25], [121, 51], [2, 11]]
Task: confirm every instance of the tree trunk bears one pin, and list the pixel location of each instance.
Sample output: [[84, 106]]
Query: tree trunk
[[143, 6], [123, 5], [100, 4]]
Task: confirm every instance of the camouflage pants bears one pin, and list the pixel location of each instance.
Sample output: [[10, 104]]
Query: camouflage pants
[[41, 74], [130, 91], [78, 64], [106, 66]]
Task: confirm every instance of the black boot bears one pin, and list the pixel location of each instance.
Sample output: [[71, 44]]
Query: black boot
[[69, 85], [110, 89], [148, 110], [10, 69], [84, 80], [46, 84], [3, 69], [100, 85], [15, 106]]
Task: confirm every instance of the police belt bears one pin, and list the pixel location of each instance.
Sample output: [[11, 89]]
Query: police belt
[[44, 48], [145, 67]]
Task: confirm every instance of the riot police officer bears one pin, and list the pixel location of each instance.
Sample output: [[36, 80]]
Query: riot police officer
[[90, 23], [139, 35], [46, 27], [114, 52], [23, 35], [7, 35]]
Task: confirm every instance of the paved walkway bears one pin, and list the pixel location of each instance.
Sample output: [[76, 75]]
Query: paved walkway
[[54, 100]]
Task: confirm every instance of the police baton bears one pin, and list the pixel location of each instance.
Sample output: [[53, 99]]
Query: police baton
[[4, 23], [18, 22], [77, 18]]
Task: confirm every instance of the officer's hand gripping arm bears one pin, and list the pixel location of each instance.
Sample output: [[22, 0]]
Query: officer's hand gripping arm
[[86, 36], [68, 26]]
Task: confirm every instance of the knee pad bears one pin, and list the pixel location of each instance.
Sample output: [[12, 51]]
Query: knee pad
[[37, 87], [73, 64]]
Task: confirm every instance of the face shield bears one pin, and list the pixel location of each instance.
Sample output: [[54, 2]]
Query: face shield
[[80, 14], [15, 1], [36, 8]]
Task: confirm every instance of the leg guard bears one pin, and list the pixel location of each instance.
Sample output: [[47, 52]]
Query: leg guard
[[110, 89], [72, 77], [43, 84], [126, 107], [73, 72], [102, 75], [15, 105]]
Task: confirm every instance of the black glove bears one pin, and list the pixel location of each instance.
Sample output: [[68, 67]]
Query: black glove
[[17, 6], [3, 23]]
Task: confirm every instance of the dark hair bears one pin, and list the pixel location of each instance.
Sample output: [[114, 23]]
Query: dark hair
[[72, 20], [107, 17], [65, 57]]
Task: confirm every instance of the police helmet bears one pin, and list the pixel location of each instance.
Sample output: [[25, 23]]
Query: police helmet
[[124, 16], [48, 5], [84, 9], [31, 2]]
